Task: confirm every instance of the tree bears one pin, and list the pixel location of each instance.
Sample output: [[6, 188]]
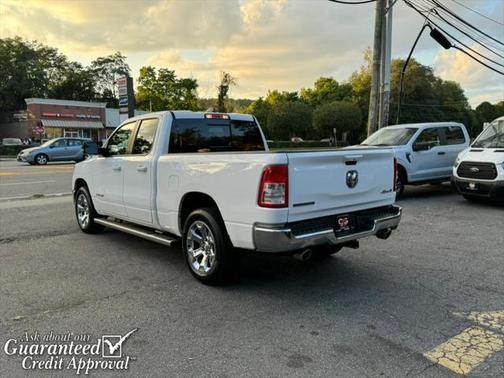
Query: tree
[[487, 112], [260, 109], [107, 70], [341, 115], [326, 90], [162, 90], [275, 97], [26, 70], [74, 83], [289, 119], [222, 91]]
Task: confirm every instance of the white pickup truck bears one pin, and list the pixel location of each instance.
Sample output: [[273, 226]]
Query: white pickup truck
[[209, 180]]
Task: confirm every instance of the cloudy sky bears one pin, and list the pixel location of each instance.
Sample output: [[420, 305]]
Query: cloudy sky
[[283, 44]]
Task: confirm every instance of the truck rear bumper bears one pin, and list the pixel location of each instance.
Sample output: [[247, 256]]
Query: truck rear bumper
[[326, 230]]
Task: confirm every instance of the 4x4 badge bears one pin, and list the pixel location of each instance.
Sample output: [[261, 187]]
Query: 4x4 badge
[[352, 178]]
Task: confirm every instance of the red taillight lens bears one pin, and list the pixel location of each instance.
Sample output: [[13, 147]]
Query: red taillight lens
[[274, 187], [395, 176]]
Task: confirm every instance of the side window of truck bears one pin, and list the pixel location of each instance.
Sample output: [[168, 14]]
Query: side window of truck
[[427, 139], [454, 135], [145, 136], [119, 142]]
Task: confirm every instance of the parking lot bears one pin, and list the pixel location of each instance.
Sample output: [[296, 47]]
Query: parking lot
[[404, 306]]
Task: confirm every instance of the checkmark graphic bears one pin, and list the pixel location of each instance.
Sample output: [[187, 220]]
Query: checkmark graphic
[[113, 347]]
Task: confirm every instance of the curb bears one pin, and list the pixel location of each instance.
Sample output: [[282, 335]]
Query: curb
[[35, 196]]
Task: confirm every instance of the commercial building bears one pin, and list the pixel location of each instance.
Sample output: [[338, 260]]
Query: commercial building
[[50, 118]]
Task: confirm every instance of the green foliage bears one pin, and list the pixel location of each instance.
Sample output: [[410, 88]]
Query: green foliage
[[106, 71], [226, 82], [275, 97], [341, 115], [290, 119], [13, 150], [487, 112], [326, 90], [27, 69], [236, 105], [162, 90], [260, 109], [75, 83]]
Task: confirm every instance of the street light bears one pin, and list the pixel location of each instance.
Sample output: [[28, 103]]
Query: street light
[[439, 38]]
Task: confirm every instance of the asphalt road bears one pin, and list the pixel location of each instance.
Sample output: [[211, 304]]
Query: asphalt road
[[21, 179], [371, 312]]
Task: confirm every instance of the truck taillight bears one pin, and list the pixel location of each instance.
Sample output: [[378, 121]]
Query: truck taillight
[[274, 187], [395, 176]]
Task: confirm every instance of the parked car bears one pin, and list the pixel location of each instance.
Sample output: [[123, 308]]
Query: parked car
[[210, 181], [59, 149], [297, 140], [425, 152], [478, 171], [12, 142]]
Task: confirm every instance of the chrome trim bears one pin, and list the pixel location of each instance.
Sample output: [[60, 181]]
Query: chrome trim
[[278, 238], [136, 231]]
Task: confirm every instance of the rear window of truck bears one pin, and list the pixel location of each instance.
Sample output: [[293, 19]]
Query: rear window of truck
[[211, 135]]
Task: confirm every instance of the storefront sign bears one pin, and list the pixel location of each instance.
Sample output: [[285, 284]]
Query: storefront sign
[[88, 116], [58, 115]]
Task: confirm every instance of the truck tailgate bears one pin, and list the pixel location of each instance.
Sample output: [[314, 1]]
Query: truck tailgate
[[318, 182]]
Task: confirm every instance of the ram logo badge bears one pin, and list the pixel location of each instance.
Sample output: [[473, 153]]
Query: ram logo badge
[[352, 178]]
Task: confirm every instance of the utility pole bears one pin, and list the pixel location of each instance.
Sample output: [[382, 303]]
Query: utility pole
[[386, 47], [374, 97]]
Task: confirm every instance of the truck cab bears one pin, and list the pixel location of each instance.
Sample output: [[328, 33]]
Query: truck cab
[[425, 152], [478, 171]]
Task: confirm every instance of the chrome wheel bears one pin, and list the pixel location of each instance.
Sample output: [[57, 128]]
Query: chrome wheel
[[201, 248], [41, 159], [82, 210]]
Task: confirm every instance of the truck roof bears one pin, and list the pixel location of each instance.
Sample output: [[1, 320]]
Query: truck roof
[[188, 114], [425, 125]]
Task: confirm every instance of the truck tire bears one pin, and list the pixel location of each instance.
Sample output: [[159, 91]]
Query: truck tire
[[206, 246], [400, 183], [41, 159], [85, 212]]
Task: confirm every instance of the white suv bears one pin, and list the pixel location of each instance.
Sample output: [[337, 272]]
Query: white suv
[[425, 152], [478, 171]]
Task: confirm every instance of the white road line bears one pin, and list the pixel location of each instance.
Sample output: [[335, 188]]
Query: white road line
[[27, 183]]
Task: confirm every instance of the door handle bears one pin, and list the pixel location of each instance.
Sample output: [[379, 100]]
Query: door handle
[[441, 153], [116, 167], [141, 168]]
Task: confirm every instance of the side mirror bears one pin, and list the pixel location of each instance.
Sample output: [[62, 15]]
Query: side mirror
[[103, 151], [421, 147]]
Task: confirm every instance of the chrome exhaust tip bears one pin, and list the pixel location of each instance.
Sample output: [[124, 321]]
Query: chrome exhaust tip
[[304, 255]]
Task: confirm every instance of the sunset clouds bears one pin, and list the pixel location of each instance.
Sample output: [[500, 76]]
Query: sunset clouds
[[265, 44]]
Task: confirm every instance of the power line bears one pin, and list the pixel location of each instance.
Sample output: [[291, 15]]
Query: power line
[[478, 37], [466, 34], [436, 14], [477, 60], [352, 2], [411, 5], [475, 11], [408, 2], [465, 22]]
